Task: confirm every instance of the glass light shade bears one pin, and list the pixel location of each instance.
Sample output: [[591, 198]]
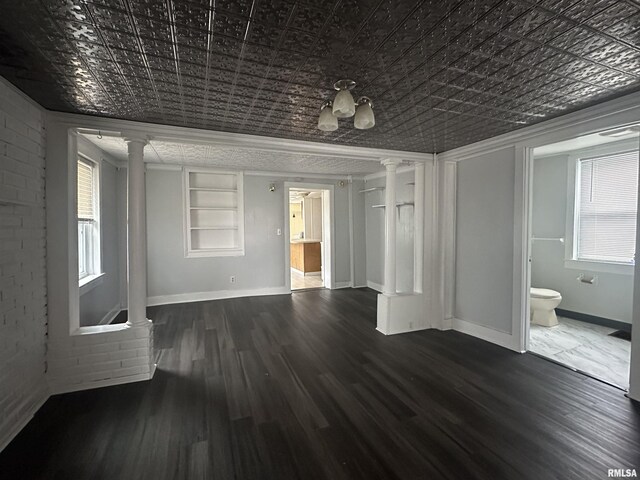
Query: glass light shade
[[344, 106], [364, 117], [327, 122]]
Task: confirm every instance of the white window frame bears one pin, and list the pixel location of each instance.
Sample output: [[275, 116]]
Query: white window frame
[[239, 249], [93, 254], [571, 260]]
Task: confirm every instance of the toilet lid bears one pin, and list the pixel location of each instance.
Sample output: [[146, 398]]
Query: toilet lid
[[544, 293]]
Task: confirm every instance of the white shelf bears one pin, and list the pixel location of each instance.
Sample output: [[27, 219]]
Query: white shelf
[[372, 189], [214, 228], [399, 204], [205, 189], [233, 209]]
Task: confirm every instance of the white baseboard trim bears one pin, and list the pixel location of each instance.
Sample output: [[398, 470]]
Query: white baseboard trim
[[360, 286], [342, 285], [497, 337], [375, 286], [409, 330], [217, 295], [111, 314], [17, 428]]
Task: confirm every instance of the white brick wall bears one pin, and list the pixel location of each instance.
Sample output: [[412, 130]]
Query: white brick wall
[[23, 301], [100, 356]]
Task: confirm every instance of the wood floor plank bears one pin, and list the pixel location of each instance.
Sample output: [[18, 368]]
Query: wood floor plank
[[304, 387]]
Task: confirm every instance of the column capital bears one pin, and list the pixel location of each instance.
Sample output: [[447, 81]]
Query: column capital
[[391, 163], [134, 137]]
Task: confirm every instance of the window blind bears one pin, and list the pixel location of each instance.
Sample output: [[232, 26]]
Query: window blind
[[86, 191], [607, 206]]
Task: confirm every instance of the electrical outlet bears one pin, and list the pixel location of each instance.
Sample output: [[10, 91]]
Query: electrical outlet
[[410, 325], [232, 279], [279, 231]]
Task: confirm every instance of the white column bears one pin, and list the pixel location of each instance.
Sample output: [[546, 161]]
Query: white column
[[137, 232], [390, 212], [418, 227]]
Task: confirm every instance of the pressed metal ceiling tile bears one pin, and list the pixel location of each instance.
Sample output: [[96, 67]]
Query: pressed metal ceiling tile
[[441, 73]]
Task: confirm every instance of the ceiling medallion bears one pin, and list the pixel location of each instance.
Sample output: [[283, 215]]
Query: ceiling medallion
[[344, 106]]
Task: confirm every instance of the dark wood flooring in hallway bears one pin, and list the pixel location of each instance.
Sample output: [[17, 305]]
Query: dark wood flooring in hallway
[[304, 387]]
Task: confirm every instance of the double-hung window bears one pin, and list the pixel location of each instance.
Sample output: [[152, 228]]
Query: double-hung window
[[606, 208], [88, 220]]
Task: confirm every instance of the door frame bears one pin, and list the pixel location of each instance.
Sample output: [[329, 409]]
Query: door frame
[[328, 232]]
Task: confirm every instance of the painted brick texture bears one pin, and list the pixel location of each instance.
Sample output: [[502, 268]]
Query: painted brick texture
[[100, 356], [23, 294]]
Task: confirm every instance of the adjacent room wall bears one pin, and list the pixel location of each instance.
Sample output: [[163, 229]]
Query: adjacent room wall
[[612, 296], [312, 208], [23, 296], [102, 303], [172, 277], [404, 232], [296, 221], [484, 240]]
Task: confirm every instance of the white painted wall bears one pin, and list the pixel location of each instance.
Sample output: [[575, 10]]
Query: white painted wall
[[484, 240], [172, 277], [100, 304], [612, 297], [359, 231], [23, 297], [404, 232]]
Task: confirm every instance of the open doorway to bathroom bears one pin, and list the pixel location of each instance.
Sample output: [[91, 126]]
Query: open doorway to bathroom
[[583, 214], [308, 240]]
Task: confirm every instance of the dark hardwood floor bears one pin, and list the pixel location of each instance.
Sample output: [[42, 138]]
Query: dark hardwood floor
[[303, 387]]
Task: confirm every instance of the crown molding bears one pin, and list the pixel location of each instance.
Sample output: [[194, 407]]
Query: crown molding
[[618, 112], [93, 124], [294, 176]]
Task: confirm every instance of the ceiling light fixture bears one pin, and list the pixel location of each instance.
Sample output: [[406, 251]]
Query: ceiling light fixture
[[344, 106]]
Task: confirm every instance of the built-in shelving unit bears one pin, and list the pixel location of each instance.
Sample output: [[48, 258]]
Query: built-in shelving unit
[[214, 213]]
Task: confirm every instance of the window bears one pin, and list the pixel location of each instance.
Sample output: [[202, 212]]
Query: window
[[88, 216], [606, 208], [214, 215]]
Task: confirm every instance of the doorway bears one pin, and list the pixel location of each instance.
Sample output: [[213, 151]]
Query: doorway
[[583, 206], [308, 236]]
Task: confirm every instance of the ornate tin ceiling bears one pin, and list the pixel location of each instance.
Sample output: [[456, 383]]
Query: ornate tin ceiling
[[441, 73]]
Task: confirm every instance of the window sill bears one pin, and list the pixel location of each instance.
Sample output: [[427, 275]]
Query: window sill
[[90, 282], [604, 267]]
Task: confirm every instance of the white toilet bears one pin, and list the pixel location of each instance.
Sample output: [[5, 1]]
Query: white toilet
[[543, 304]]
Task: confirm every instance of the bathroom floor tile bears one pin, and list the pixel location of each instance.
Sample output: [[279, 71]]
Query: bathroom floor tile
[[586, 347]]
